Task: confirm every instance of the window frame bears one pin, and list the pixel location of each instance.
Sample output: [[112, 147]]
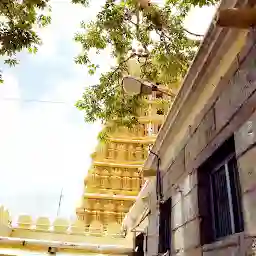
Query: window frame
[[207, 200]]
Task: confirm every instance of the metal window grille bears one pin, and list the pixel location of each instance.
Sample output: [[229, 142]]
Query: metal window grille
[[219, 193], [219, 196], [225, 192]]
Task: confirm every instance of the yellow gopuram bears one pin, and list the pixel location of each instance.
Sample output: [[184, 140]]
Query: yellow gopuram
[[115, 177]]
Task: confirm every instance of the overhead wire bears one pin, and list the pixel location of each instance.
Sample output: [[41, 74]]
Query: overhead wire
[[36, 101]]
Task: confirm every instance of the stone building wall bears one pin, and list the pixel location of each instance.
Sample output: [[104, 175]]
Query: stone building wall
[[229, 109], [245, 139]]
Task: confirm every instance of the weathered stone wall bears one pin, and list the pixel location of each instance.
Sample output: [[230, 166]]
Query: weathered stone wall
[[228, 111], [245, 139]]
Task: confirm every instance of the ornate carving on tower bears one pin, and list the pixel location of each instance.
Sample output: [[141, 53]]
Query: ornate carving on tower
[[96, 177], [138, 152], [116, 179], [104, 182], [136, 130], [109, 209], [111, 150], [120, 206], [145, 151], [126, 180], [101, 152], [121, 152], [97, 205], [120, 212], [131, 156], [141, 130], [136, 180]]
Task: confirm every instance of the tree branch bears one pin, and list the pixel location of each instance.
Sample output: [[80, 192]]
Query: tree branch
[[124, 61], [193, 34]]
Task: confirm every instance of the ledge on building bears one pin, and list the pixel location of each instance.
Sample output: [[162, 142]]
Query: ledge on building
[[242, 18]]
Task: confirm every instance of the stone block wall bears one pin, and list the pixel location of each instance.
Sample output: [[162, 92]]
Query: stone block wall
[[245, 139], [229, 111], [185, 218]]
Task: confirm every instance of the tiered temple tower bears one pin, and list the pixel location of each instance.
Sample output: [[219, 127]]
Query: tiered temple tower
[[115, 178]]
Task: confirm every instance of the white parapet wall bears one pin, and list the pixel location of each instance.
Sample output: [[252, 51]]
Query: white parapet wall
[[5, 222], [29, 235]]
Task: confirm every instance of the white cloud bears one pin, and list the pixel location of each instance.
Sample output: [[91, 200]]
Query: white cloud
[[10, 88], [42, 154], [49, 46], [42, 151]]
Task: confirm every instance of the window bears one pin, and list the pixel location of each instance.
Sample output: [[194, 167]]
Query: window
[[164, 243], [219, 195]]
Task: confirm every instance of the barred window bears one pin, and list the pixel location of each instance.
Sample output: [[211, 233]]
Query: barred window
[[219, 195]]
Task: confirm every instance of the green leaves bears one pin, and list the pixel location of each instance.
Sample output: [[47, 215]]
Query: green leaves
[[106, 101], [19, 18], [33, 50], [103, 136], [83, 2], [92, 69], [17, 26], [82, 59], [189, 3], [44, 20], [11, 62], [164, 58]]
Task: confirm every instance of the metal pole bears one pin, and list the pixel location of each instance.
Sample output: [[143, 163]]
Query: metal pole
[[60, 199]]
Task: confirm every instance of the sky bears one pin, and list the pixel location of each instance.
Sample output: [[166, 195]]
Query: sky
[[45, 146]]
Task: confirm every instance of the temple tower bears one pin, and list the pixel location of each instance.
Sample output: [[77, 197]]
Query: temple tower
[[115, 178]]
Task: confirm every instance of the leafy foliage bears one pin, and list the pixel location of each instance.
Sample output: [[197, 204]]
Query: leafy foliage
[[17, 26], [165, 53], [19, 20]]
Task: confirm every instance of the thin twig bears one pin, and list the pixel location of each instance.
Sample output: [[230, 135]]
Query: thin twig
[[124, 61], [121, 63], [193, 34]]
